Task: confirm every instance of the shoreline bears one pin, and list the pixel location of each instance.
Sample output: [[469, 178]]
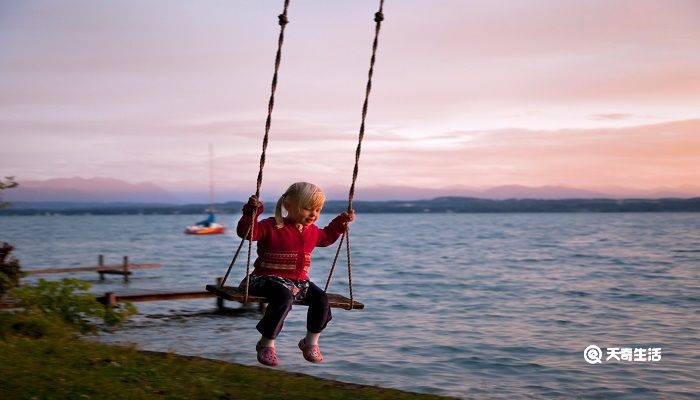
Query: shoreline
[[440, 205], [81, 367]]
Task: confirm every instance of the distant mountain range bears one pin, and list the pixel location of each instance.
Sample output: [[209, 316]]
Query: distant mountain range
[[504, 192], [110, 190], [89, 190]]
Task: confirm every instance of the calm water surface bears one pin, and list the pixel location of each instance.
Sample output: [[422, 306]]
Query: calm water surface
[[469, 305]]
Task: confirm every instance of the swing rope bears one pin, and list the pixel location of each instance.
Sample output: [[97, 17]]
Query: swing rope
[[378, 18], [283, 21]]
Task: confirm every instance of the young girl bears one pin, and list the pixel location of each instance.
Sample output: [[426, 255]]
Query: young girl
[[281, 270]]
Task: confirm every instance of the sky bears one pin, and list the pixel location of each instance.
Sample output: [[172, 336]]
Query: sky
[[588, 94]]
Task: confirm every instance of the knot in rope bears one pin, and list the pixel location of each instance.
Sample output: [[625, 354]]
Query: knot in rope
[[379, 17], [283, 19]]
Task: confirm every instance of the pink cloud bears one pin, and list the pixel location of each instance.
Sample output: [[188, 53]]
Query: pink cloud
[[142, 96], [645, 156], [611, 116]]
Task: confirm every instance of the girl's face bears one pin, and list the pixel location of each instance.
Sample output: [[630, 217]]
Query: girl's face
[[304, 215]]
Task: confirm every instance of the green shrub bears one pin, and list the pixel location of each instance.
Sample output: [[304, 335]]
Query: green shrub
[[68, 301], [32, 326], [10, 271]]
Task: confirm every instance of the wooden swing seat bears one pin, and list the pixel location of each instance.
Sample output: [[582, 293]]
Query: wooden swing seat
[[237, 294]]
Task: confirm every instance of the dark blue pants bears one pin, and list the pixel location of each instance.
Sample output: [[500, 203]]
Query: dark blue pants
[[280, 300]]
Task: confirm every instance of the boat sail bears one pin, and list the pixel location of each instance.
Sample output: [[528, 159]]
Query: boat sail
[[208, 226]]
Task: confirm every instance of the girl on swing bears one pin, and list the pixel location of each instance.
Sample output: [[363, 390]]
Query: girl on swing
[[285, 243]]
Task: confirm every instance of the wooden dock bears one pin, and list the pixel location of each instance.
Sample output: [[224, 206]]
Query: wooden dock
[[123, 269], [111, 299]]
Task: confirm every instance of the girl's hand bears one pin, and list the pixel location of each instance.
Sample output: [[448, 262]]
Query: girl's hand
[[254, 202], [349, 216]]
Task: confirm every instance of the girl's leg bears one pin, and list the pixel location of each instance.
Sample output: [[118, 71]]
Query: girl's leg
[[316, 320], [319, 313], [280, 303]]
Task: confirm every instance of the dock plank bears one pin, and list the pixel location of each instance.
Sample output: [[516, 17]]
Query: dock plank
[[237, 294], [106, 269], [156, 295]]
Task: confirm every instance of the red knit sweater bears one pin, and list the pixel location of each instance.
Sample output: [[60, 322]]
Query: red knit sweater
[[286, 252]]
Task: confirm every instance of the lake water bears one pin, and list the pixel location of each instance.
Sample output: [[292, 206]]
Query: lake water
[[469, 305]]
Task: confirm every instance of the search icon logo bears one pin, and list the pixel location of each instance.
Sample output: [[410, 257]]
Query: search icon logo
[[593, 354]]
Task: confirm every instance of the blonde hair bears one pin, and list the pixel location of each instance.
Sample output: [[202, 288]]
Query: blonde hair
[[299, 195]]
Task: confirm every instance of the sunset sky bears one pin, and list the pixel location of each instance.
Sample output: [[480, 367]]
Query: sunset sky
[[588, 94]]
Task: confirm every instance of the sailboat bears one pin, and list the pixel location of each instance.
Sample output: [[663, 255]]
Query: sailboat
[[208, 226]]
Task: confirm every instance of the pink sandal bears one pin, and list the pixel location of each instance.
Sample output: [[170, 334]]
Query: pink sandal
[[312, 353], [267, 355]]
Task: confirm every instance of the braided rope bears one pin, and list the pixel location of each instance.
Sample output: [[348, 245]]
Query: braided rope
[[228, 271], [378, 18], [352, 300], [283, 21], [335, 260]]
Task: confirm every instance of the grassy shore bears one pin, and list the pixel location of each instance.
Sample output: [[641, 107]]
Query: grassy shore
[[70, 368]]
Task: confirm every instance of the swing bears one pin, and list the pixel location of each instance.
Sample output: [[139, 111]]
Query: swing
[[335, 300]]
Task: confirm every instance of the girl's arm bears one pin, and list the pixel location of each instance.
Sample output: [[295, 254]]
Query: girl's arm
[[328, 235], [244, 223]]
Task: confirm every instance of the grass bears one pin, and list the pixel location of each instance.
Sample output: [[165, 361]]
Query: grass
[[70, 368]]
